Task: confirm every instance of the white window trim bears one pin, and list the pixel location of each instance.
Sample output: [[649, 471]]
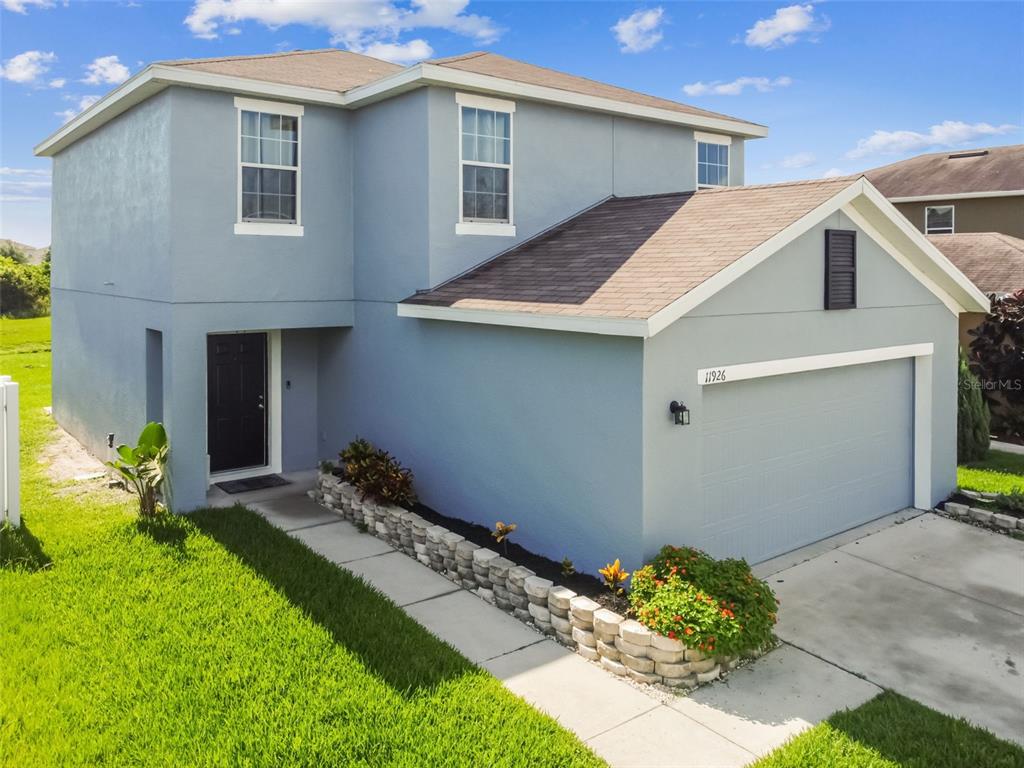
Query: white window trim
[[952, 220], [274, 418], [492, 228], [922, 355], [710, 138], [272, 228]]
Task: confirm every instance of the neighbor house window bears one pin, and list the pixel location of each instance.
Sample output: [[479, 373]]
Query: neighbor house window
[[485, 165], [712, 160], [269, 172], [938, 220]]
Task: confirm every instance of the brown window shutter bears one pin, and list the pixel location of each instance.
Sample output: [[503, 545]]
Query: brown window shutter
[[840, 269]]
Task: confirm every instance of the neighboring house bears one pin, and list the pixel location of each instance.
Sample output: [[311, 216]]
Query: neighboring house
[[973, 190], [505, 276], [991, 260]]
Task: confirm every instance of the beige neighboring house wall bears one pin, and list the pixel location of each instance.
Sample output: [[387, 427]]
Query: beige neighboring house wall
[[978, 214]]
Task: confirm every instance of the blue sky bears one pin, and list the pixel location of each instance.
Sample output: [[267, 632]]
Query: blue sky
[[843, 86]]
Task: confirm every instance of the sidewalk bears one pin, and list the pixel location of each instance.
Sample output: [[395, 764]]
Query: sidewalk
[[719, 726]]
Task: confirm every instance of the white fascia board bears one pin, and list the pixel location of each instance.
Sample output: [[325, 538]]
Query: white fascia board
[[606, 326], [155, 78], [865, 224], [952, 280], [433, 74], [958, 196], [697, 296]]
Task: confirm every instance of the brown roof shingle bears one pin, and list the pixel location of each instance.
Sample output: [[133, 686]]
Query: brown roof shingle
[[995, 169], [991, 260], [495, 65], [631, 257], [328, 68]]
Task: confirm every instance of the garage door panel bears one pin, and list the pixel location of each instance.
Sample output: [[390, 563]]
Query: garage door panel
[[788, 460]]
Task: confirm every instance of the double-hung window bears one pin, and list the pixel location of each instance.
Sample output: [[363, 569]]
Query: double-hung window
[[269, 171], [712, 160], [938, 220], [485, 165]]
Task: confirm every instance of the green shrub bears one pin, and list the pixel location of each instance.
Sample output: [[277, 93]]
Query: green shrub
[[378, 474], [972, 417], [715, 606], [354, 458], [24, 289]]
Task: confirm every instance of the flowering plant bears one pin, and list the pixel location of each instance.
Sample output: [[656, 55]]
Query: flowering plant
[[715, 606], [614, 575]]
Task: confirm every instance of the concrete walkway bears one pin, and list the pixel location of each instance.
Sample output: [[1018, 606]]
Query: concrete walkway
[[931, 607], [724, 725]]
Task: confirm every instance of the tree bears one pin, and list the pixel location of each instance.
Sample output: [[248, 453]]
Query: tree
[[9, 250], [972, 417], [997, 359]]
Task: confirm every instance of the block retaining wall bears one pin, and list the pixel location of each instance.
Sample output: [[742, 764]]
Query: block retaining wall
[[622, 646]]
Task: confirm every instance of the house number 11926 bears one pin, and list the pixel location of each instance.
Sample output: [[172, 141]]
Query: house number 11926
[[714, 375]]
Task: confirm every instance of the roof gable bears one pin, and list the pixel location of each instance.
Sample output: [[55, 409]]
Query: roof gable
[[633, 266]]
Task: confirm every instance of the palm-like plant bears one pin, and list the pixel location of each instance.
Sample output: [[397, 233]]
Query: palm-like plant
[[144, 469]]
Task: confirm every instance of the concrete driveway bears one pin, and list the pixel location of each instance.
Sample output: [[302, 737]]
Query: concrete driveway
[[929, 607]]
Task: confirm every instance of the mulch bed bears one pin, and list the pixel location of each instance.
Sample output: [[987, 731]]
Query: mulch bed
[[580, 583]]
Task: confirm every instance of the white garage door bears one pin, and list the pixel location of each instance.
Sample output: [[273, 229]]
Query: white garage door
[[789, 460]]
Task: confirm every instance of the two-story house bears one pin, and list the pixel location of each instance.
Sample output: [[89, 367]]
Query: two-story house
[[970, 203], [550, 297]]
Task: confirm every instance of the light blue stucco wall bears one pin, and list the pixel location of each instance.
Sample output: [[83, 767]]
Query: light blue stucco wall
[[775, 311], [539, 428], [564, 160], [143, 233]]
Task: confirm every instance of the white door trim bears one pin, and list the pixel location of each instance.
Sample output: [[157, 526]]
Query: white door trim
[[922, 355], [274, 422]]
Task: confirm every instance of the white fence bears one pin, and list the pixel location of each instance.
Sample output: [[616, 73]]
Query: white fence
[[10, 484]]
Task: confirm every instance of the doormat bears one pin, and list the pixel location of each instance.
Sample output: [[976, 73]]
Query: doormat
[[252, 483]]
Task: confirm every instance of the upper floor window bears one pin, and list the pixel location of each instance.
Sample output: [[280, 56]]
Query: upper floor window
[[938, 220], [712, 160], [485, 165], [269, 171]]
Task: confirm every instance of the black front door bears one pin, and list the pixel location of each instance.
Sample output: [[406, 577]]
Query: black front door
[[236, 393]]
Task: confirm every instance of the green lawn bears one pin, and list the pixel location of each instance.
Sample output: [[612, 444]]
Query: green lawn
[[218, 640], [891, 731], [998, 472]]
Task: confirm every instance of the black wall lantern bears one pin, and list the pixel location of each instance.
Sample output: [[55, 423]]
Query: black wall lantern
[[680, 413]]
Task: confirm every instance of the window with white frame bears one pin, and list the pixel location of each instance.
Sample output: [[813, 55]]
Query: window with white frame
[[269, 181], [712, 162], [938, 220], [485, 160]]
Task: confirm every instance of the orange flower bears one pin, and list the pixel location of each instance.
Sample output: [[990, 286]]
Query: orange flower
[[688, 630], [671, 635]]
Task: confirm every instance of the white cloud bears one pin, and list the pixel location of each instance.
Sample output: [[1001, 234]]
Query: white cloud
[[27, 67], [106, 69], [400, 53], [737, 86], [21, 6], [57, 82], [831, 173], [84, 102], [6, 171], [23, 184], [357, 24], [799, 160], [787, 26], [639, 31], [946, 134]]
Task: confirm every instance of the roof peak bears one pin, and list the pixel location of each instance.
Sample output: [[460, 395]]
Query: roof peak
[[275, 55]]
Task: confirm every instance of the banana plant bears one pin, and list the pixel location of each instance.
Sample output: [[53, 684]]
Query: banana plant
[[144, 469]]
